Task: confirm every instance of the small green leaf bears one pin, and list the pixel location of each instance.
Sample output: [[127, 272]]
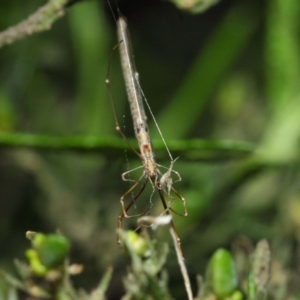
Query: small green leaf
[[221, 273], [52, 249], [34, 261], [137, 243], [237, 295]]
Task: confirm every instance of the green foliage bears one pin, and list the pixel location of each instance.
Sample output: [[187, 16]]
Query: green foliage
[[221, 274], [146, 278], [48, 260], [223, 283], [47, 273], [224, 88], [48, 252]]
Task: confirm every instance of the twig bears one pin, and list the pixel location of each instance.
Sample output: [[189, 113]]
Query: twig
[[182, 266], [194, 149], [39, 21]]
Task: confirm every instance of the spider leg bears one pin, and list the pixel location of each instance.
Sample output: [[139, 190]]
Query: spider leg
[[123, 213]]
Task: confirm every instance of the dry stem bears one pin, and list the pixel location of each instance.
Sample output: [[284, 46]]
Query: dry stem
[[39, 21]]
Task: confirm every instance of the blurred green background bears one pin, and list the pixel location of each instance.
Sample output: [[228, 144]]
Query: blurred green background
[[229, 76]]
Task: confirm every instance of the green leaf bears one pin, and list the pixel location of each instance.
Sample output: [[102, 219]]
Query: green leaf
[[221, 274], [52, 249]]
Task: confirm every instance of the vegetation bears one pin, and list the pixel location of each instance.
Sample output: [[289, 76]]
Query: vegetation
[[223, 86]]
